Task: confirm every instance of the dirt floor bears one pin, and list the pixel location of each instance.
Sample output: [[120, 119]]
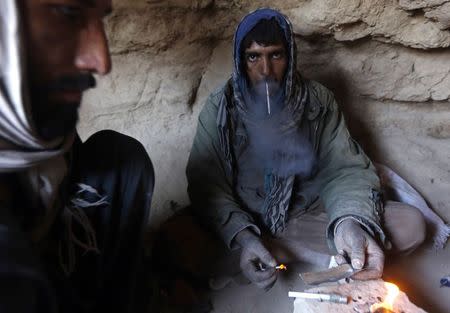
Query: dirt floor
[[418, 275], [249, 299]]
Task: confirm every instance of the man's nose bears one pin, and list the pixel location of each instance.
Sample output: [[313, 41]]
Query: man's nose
[[266, 65], [93, 51]]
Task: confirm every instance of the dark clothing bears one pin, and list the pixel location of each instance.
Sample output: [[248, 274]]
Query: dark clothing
[[118, 168], [21, 276]]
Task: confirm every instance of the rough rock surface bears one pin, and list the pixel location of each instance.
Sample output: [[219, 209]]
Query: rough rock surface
[[386, 61], [437, 10], [361, 296]]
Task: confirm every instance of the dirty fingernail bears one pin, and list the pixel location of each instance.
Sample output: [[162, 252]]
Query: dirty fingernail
[[357, 264], [339, 259]]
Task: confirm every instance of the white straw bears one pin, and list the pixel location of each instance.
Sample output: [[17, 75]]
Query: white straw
[[319, 297], [268, 99]]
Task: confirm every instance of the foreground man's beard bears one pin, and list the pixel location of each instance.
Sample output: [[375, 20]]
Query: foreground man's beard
[[54, 117], [53, 120]]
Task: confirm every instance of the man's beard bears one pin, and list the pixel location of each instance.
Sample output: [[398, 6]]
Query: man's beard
[[259, 89], [54, 118], [266, 98]]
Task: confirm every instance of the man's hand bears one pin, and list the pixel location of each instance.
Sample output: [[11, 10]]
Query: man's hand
[[256, 262], [354, 243]]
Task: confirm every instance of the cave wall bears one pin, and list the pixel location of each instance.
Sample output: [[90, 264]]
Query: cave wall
[[387, 61]]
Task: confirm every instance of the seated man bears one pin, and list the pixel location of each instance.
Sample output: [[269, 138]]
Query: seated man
[[72, 214], [271, 150]]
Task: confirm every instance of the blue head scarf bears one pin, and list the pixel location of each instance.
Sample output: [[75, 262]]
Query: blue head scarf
[[245, 26]]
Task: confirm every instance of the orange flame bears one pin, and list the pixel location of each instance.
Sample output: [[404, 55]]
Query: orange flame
[[281, 267], [388, 303]]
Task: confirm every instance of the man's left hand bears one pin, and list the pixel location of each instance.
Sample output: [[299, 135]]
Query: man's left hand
[[360, 248]]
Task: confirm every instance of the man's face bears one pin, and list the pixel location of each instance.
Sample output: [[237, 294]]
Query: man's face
[[65, 45], [265, 63]]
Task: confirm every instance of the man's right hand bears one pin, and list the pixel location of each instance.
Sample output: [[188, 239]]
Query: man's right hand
[[256, 262], [362, 250]]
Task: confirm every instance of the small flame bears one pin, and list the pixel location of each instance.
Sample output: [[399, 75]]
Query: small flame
[[388, 303], [281, 267]]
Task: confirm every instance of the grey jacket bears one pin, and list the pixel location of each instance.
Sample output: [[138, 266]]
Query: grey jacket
[[345, 180]]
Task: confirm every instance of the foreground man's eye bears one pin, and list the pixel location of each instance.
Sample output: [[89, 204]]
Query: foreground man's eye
[[69, 11]]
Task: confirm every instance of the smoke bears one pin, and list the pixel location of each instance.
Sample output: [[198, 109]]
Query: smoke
[[284, 152], [265, 98]]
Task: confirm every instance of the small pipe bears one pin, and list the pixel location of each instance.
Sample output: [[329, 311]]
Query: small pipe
[[268, 98], [322, 297]]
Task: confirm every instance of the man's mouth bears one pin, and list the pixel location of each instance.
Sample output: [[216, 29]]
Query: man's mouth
[[68, 89], [266, 87]]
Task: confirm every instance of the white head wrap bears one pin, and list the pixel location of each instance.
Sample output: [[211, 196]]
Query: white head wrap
[[21, 149]]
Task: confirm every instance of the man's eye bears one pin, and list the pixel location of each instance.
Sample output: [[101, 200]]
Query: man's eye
[[72, 12], [277, 55], [252, 57]]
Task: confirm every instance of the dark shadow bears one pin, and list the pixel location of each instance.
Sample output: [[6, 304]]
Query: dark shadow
[[414, 273], [332, 76]]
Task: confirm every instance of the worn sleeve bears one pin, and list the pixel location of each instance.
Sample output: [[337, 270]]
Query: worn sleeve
[[209, 185], [349, 185]]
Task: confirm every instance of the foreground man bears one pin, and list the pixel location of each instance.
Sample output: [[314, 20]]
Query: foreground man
[[72, 214], [272, 146]]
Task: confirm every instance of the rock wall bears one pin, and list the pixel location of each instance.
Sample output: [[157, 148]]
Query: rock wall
[[386, 60]]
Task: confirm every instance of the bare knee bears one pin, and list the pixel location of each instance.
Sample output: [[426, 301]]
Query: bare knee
[[419, 228], [405, 226]]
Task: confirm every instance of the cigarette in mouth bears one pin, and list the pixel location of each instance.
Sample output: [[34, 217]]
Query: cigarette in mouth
[[319, 297], [268, 99]]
